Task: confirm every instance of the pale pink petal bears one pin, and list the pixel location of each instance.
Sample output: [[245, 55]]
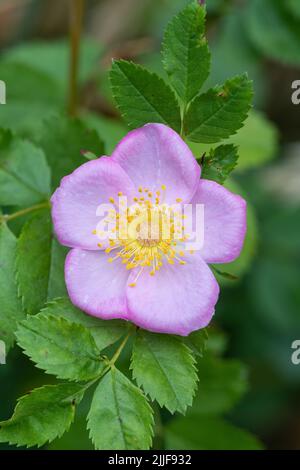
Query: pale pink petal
[[155, 155], [224, 222], [75, 202], [96, 286], [178, 299]]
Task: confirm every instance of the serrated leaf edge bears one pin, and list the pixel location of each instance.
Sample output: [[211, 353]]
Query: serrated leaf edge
[[181, 409]]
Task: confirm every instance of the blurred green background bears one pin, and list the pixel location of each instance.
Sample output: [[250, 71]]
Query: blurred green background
[[247, 378]]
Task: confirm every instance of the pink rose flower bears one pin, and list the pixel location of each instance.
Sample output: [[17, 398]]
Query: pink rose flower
[[155, 282]]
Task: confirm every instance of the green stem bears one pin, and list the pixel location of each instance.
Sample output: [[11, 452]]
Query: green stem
[[7, 217], [110, 362], [96, 379], [109, 365], [120, 349], [76, 20]]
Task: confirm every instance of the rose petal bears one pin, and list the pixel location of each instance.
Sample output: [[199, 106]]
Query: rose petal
[[75, 202], [95, 285], [224, 222], [177, 299], [155, 155]]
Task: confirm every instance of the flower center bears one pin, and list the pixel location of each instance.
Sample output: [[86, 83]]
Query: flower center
[[147, 234]]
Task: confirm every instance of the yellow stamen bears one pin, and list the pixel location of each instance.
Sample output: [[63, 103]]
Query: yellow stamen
[[145, 234]]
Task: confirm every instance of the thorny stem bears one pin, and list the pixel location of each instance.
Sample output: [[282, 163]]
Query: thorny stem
[[7, 217], [76, 20]]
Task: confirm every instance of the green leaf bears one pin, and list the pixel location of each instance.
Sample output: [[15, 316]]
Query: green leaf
[[164, 366], [142, 96], [56, 277], [110, 130], [42, 415], [52, 59], [63, 140], [33, 261], [89, 155], [257, 142], [224, 274], [186, 55], [104, 332], [14, 115], [222, 384], [220, 112], [60, 347], [10, 304], [24, 173], [27, 89], [120, 417], [27, 85], [36, 74], [39, 263], [77, 438], [208, 433], [196, 341], [219, 163]]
